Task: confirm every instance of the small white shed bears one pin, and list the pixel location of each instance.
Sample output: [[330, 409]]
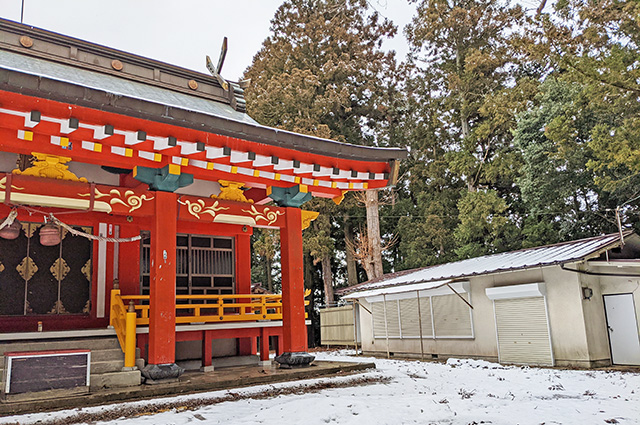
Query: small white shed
[[575, 303]]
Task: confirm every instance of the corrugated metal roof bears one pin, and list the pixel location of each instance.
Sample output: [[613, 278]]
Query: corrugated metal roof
[[118, 86], [397, 289], [566, 252]]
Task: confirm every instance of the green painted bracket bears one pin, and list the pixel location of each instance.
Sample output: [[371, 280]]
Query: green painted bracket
[[166, 179], [293, 196]]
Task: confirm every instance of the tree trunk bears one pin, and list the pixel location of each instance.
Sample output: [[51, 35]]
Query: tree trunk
[[352, 271], [309, 283], [269, 264], [465, 129], [327, 278], [374, 266]]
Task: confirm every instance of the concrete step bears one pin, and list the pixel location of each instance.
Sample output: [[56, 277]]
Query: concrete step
[[220, 362], [106, 354], [128, 378], [109, 354], [107, 359], [65, 344], [107, 366]]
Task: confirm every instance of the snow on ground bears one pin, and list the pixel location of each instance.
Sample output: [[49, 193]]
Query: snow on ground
[[456, 392]]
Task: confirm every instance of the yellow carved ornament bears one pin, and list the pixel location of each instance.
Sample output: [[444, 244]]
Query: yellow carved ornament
[[338, 199], [231, 191], [50, 167], [308, 217], [267, 215]]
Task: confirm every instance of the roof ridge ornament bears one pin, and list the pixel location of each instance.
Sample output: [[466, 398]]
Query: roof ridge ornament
[[217, 70]]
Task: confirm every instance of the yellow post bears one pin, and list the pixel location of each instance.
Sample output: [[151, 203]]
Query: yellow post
[[114, 295], [130, 337]]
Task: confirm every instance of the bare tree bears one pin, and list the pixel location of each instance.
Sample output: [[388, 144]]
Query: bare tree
[[367, 246]]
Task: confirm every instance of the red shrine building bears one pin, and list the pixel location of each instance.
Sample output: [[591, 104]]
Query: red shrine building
[[129, 192]]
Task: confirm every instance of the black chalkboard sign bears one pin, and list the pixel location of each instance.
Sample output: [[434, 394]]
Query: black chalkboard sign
[[46, 370]]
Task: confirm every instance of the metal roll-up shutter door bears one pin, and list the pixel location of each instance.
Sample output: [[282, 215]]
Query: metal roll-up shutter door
[[393, 318], [425, 314], [409, 323], [523, 331], [379, 327], [451, 316]]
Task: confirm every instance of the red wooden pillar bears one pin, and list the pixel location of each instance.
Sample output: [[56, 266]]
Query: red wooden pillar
[[264, 345], [246, 346], [162, 303], [207, 352], [293, 320]]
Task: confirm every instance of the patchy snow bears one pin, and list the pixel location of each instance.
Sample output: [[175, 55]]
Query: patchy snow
[[456, 392]]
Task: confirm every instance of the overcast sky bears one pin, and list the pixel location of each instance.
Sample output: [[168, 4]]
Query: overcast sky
[[180, 32]]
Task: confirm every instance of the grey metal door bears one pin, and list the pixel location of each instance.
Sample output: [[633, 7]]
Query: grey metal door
[[623, 329]]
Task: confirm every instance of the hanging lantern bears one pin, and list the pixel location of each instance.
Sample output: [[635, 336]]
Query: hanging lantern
[[11, 231], [49, 235]]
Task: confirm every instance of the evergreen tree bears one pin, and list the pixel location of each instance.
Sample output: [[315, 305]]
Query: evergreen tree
[[465, 89], [561, 197], [322, 72], [596, 44]]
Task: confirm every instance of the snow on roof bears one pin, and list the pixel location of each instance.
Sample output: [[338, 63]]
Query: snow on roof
[[398, 289], [566, 252], [118, 86]]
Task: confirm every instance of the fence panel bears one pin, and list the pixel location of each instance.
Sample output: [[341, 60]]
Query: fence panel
[[336, 325]]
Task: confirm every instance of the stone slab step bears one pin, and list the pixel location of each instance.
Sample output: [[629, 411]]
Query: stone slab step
[[220, 362], [106, 366], [128, 378], [68, 344], [109, 354], [106, 355]]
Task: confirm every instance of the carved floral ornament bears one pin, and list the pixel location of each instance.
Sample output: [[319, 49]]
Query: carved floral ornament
[[3, 184], [267, 215], [199, 207], [129, 198]]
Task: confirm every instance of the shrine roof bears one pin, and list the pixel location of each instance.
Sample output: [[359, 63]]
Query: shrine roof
[[118, 86], [34, 61]]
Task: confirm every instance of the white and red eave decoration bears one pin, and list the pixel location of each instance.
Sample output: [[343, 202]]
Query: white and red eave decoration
[[30, 124]]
